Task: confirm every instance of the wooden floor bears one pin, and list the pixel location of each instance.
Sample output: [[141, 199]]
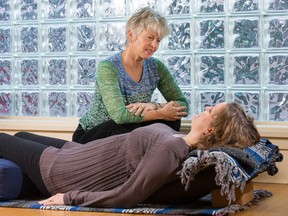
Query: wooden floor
[[277, 205]]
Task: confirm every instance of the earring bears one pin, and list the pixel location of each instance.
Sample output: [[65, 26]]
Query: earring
[[207, 132]]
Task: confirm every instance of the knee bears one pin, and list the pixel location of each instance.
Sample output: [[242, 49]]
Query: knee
[[21, 134], [2, 135]]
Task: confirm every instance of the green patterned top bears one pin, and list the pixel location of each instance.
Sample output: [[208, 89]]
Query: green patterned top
[[115, 89]]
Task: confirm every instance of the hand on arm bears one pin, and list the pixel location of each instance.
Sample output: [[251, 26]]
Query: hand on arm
[[170, 111], [140, 108]]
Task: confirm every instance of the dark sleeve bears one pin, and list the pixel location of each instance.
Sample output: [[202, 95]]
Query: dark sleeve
[[154, 170]]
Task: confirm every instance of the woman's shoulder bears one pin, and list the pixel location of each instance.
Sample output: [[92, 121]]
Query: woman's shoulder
[[154, 60], [112, 63], [157, 64], [115, 59]]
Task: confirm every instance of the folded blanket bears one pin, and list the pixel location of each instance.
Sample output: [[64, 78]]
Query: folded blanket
[[233, 166]]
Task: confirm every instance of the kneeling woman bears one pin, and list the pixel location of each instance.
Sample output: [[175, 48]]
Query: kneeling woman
[[127, 169]]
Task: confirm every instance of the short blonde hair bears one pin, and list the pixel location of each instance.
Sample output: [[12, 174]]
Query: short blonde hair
[[144, 19]]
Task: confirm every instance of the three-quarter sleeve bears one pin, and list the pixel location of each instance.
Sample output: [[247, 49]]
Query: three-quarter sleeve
[[168, 86], [108, 83]]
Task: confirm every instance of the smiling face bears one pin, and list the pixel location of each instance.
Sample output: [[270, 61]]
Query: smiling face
[[144, 44], [203, 121]]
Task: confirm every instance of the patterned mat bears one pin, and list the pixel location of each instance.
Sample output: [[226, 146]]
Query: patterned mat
[[200, 207]]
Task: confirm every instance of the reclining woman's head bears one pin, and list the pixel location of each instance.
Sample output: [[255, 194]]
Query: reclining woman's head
[[226, 124]]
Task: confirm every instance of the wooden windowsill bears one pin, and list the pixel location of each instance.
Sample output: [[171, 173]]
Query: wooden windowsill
[[20, 123], [271, 129]]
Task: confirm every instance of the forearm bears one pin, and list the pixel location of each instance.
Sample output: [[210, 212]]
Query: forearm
[[170, 111], [106, 199], [153, 115]]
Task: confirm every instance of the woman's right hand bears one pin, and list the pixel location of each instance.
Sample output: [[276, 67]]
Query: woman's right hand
[[173, 111]]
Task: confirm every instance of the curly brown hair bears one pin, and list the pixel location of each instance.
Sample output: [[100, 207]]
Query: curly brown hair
[[231, 127]]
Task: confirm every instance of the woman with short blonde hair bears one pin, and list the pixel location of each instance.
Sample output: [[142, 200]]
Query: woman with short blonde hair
[[127, 80]]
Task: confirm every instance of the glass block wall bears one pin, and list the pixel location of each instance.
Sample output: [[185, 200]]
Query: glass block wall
[[218, 50]]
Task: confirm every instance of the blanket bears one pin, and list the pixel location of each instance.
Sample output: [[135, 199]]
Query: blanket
[[233, 166], [199, 207]]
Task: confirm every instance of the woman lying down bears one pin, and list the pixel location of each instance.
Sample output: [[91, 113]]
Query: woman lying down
[[127, 169]]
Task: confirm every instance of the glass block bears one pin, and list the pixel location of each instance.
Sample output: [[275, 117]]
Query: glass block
[[174, 7], [188, 96], [245, 32], [86, 37], [57, 39], [277, 5], [278, 106], [210, 33], [180, 67], [57, 103], [55, 71], [5, 40], [277, 32], [84, 101], [86, 70], [113, 8], [5, 10], [156, 96], [209, 98], [245, 69], [6, 103], [244, 5], [5, 72], [179, 38], [27, 10], [210, 69], [29, 71], [135, 5], [278, 69], [67, 50], [29, 37], [112, 36], [249, 101], [29, 103], [56, 9], [210, 6], [84, 9]]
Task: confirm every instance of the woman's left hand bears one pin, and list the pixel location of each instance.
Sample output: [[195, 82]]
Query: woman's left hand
[[57, 199], [140, 108]]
